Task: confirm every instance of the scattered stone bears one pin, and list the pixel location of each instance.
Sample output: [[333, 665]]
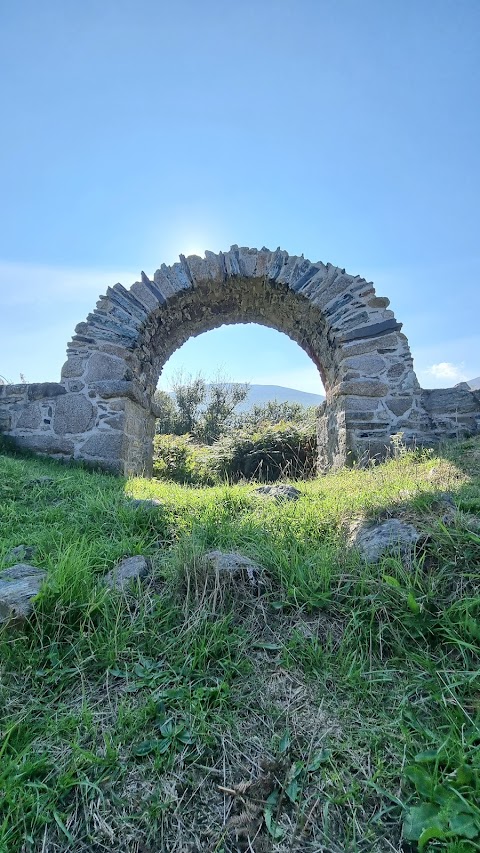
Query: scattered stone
[[445, 507], [18, 586], [280, 493], [41, 481], [373, 541], [235, 567], [20, 552], [127, 570], [146, 503]]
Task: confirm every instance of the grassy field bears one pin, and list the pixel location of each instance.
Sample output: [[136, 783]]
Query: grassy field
[[338, 710]]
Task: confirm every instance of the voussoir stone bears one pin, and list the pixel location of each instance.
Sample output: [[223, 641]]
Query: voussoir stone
[[129, 570], [18, 586], [74, 413], [375, 540], [280, 492]]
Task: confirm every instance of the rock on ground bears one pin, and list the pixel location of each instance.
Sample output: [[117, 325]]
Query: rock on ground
[[280, 493], [41, 481], [235, 566], [18, 586], [375, 540], [127, 570], [20, 552], [148, 503]]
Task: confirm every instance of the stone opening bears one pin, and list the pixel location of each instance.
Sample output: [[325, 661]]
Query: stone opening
[[102, 411]]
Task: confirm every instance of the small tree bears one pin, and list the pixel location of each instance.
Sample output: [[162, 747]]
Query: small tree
[[166, 413], [202, 410], [190, 394], [274, 412], [223, 397]]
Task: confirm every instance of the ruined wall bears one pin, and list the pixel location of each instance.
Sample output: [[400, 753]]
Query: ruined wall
[[102, 411], [105, 426]]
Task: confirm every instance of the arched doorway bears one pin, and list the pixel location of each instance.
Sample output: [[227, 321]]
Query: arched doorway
[[116, 356]]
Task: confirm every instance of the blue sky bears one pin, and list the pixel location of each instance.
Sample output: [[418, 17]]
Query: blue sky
[[134, 130]]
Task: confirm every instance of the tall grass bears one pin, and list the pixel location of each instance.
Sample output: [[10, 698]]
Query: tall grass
[[336, 710]]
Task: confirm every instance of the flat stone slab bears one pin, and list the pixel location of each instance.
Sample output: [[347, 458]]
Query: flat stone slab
[[280, 493], [18, 586], [375, 540], [125, 572]]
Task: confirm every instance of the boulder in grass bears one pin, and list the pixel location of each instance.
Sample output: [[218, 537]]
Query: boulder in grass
[[280, 493], [391, 536], [221, 582], [233, 566], [20, 552], [41, 481], [18, 586], [145, 503], [129, 570]]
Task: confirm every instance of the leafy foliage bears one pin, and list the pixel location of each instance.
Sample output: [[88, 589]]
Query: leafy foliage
[[260, 416], [177, 458], [271, 452], [201, 410], [446, 805]]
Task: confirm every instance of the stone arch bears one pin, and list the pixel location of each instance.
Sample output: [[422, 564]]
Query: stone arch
[[116, 356]]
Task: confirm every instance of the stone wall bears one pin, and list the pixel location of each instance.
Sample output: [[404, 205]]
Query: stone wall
[[103, 426], [102, 411]]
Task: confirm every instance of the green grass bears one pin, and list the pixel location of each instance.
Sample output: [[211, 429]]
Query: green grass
[[337, 711]]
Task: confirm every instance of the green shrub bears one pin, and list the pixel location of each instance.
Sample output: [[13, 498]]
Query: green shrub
[[272, 451], [263, 414], [177, 458]]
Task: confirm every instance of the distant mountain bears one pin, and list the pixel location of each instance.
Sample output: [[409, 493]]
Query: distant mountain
[[474, 384], [260, 394]]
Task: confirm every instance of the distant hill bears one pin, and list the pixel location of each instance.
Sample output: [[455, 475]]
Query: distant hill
[[260, 394], [474, 384]]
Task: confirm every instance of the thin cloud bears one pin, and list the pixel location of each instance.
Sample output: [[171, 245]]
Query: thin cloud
[[446, 370], [23, 284]]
